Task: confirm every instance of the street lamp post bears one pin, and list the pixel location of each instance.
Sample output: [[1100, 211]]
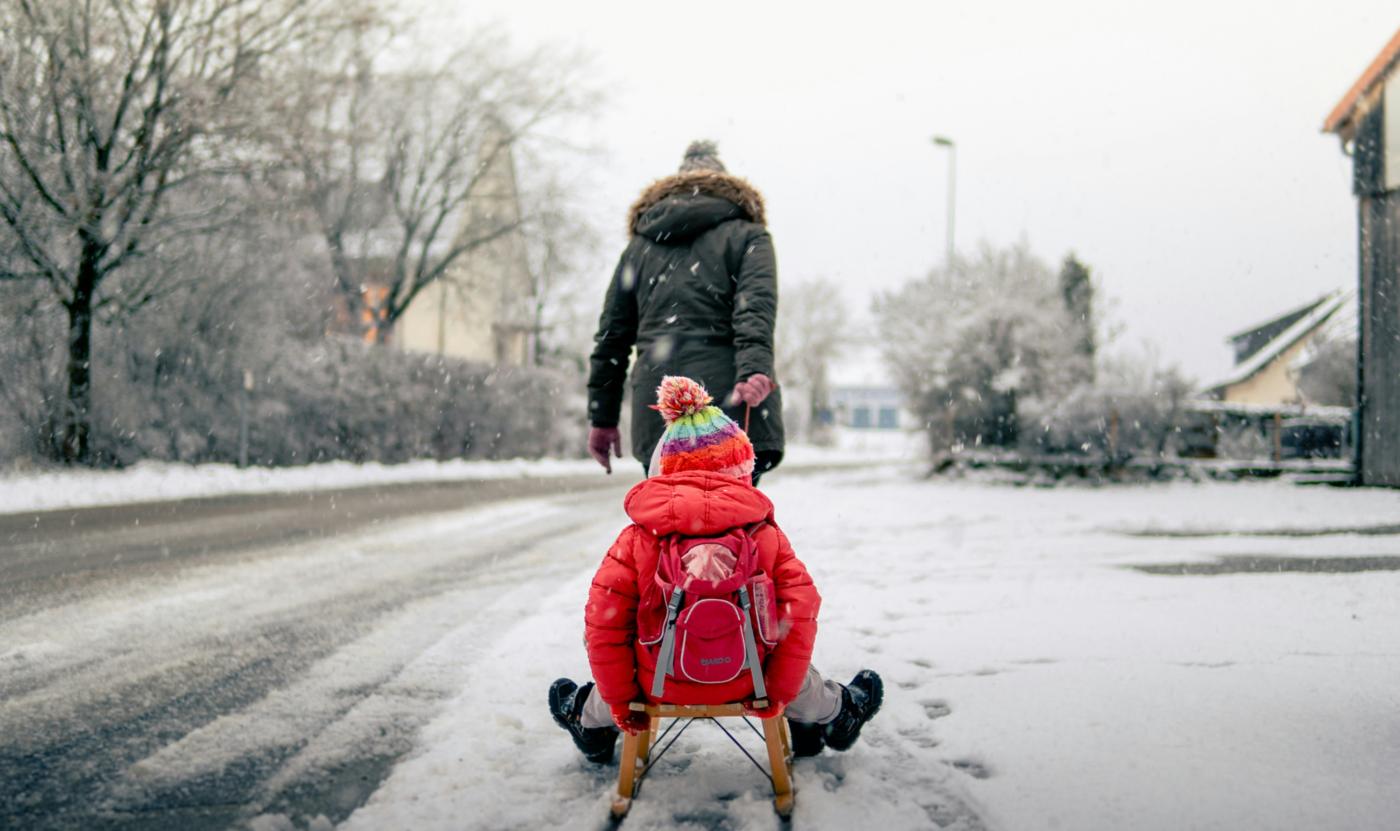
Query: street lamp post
[[945, 142]]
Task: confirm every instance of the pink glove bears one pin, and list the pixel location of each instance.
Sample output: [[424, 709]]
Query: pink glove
[[752, 391], [600, 441], [628, 720]]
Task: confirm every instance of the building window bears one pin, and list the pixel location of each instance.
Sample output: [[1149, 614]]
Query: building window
[[889, 418], [860, 417]]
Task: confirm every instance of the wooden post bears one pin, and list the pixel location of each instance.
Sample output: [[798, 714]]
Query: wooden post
[[626, 777], [1112, 435], [1278, 438], [644, 742], [778, 761], [243, 418]]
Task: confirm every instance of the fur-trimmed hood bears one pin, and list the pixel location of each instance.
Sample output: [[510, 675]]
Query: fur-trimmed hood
[[694, 183]]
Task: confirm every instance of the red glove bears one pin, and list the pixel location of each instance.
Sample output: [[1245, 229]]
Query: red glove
[[752, 391], [600, 441], [774, 708], [628, 720]]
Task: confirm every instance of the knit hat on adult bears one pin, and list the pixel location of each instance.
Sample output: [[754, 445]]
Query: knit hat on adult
[[699, 436], [702, 155]]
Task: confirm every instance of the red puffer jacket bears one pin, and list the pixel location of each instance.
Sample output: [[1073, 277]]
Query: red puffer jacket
[[694, 503]]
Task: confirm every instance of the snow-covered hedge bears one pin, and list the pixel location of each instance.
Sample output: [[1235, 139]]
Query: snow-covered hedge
[[174, 395], [343, 400]]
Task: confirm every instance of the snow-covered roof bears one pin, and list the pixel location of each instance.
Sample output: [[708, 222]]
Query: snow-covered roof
[[1255, 337], [1270, 351], [1340, 120]]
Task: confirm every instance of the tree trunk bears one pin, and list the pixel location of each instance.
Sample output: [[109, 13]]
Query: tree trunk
[[537, 335], [381, 332], [78, 411]]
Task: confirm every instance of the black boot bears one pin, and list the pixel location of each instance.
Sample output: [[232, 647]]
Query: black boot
[[860, 700], [566, 705], [807, 739]]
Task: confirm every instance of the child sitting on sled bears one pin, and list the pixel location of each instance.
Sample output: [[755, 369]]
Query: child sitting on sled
[[699, 525]]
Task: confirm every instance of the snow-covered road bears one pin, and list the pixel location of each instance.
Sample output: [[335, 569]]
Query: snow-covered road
[[1035, 679], [283, 678]]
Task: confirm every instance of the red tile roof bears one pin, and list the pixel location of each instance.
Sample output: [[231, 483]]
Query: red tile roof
[[1374, 73]]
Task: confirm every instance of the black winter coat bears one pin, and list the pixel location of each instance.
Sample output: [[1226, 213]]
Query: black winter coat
[[696, 292]]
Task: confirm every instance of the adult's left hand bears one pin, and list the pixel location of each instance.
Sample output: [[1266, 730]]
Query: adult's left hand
[[603, 441], [752, 391]]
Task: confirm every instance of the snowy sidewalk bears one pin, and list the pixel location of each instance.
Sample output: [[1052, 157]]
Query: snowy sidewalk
[[1034, 680]]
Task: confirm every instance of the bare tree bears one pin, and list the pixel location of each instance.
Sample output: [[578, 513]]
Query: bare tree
[[401, 169], [812, 330], [1326, 372], [562, 254], [114, 115]]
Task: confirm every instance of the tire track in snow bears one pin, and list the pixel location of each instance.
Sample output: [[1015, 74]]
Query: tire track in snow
[[112, 696], [95, 649]]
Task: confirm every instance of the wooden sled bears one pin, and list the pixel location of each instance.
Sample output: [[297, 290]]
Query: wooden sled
[[637, 760]]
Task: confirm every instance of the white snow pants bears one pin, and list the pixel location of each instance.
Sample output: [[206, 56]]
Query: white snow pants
[[817, 702]]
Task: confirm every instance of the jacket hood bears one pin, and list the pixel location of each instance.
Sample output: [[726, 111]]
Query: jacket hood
[[679, 208], [695, 503]]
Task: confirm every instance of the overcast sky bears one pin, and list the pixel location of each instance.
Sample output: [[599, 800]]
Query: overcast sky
[[1174, 147]]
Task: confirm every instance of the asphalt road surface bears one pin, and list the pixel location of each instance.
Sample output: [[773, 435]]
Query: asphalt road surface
[[198, 664]]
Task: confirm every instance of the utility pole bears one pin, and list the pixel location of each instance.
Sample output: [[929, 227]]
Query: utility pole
[[952, 148]]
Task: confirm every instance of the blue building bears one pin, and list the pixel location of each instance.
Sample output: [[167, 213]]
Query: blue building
[[863, 397]]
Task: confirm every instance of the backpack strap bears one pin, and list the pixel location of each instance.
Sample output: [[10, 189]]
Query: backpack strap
[[668, 643], [760, 690]]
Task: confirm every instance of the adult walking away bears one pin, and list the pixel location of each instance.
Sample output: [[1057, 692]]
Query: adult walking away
[[696, 293]]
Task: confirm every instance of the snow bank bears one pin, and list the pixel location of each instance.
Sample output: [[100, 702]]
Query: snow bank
[[155, 481]]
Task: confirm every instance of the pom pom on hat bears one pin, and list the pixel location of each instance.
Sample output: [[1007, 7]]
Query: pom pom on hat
[[679, 396], [699, 436], [702, 155]]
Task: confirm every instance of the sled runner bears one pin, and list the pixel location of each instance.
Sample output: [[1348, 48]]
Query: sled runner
[[637, 760]]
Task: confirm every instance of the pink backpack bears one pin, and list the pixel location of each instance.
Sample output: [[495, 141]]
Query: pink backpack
[[720, 616]]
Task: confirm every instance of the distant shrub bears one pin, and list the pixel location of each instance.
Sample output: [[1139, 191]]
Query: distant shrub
[[1126, 413]]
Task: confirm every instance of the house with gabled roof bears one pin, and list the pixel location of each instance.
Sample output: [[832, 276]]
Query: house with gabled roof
[[1367, 120], [483, 307], [1267, 353]]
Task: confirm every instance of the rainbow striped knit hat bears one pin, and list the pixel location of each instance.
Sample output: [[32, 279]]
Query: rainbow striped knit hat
[[699, 436]]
